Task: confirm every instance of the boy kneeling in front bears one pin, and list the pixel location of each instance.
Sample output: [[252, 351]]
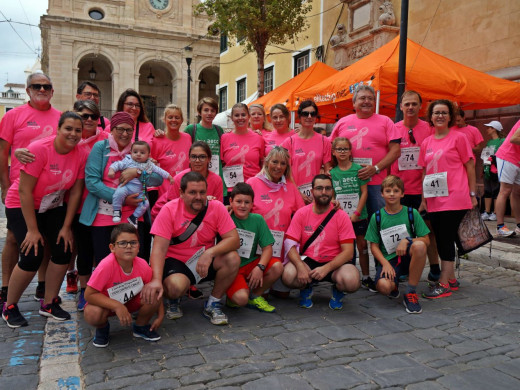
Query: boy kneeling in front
[[115, 288], [398, 240]]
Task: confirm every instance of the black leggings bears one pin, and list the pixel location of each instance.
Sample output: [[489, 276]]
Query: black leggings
[[49, 224], [84, 247], [445, 225]]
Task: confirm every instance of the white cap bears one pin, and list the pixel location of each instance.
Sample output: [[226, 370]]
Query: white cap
[[495, 124]]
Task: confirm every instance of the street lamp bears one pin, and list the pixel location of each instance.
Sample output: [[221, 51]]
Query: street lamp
[[150, 77], [188, 54], [92, 72]]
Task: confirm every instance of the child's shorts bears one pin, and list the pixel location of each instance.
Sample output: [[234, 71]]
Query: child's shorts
[[400, 264], [240, 281]]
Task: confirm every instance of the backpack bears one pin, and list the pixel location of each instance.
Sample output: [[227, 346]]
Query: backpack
[[194, 132], [410, 218]]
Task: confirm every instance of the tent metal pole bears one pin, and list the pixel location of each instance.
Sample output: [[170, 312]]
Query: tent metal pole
[[378, 97], [401, 75]]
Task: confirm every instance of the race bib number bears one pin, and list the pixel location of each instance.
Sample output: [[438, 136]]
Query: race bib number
[[435, 185], [408, 159], [124, 292], [233, 174], [213, 165], [246, 242], [487, 152], [51, 201], [348, 202], [105, 208], [392, 236], [277, 246], [305, 189], [192, 263], [362, 160]]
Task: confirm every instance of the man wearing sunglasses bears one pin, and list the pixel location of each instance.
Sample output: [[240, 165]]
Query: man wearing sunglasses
[[90, 91], [413, 131], [19, 127]]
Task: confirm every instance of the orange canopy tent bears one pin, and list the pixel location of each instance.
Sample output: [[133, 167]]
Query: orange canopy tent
[[285, 93], [430, 74]]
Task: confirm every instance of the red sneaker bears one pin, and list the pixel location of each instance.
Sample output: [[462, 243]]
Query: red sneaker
[[72, 282]]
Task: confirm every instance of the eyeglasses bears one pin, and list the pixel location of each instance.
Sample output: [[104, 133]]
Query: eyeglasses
[[37, 87], [367, 98], [412, 138], [90, 94], [320, 188], [341, 150], [124, 244], [441, 113], [121, 130], [89, 116], [133, 105], [309, 113], [200, 157]]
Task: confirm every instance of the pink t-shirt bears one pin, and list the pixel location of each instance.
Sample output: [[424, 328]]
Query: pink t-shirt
[[215, 188], [509, 151], [23, 125], [54, 171], [369, 137], [146, 132], [472, 133], [274, 138], [307, 156], [412, 178], [243, 149], [327, 245], [109, 274], [172, 156], [174, 219], [449, 155]]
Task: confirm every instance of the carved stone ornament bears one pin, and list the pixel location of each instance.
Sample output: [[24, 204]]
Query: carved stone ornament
[[340, 37], [387, 17]]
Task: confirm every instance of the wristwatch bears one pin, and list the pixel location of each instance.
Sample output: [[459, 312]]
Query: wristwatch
[[377, 169], [472, 194], [261, 266]]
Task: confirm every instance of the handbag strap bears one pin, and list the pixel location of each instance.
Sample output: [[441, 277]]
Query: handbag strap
[[318, 230], [193, 226]]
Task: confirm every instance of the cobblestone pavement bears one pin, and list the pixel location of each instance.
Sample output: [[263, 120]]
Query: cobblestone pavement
[[470, 340]]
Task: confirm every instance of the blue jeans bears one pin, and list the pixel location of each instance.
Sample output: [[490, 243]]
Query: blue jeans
[[128, 189], [375, 200]]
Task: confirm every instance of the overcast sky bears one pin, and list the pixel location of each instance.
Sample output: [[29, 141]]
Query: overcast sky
[[15, 55]]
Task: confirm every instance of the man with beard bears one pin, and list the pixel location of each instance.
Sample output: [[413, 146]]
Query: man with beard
[[181, 259], [329, 257]]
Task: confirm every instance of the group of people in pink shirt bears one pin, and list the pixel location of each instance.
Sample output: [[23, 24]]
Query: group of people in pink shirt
[[316, 195]]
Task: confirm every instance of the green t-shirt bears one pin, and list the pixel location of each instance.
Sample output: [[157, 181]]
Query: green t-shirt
[[395, 235], [347, 182], [253, 231], [495, 144], [210, 136]]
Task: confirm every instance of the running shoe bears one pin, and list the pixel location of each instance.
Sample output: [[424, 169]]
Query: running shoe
[[72, 282], [492, 217], [81, 300], [13, 317], [260, 304], [306, 298], [505, 232], [116, 217], [335, 302], [214, 313], [40, 292], [195, 293], [395, 293], [369, 284], [454, 284], [102, 337], [485, 216], [145, 332], [174, 310], [133, 220], [433, 277], [411, 303], [438, 291], [54, 310]]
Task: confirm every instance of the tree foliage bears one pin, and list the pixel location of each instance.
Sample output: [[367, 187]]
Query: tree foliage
[[257, 23]]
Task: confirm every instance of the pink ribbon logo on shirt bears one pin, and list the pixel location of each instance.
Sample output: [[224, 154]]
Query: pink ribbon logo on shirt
[[194, 237], [307, 163], [358, 138], [65, 179], [275, 212], [241, 155], [180, 161], [47, 132], [317, 244], [436, 157]]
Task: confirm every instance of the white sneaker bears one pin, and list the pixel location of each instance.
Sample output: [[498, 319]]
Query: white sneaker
[[504, 232], [485, 216], [492, 217], [174, 310]]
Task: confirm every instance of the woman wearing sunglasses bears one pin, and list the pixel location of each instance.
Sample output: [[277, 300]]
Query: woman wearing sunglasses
[[309, 151]]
